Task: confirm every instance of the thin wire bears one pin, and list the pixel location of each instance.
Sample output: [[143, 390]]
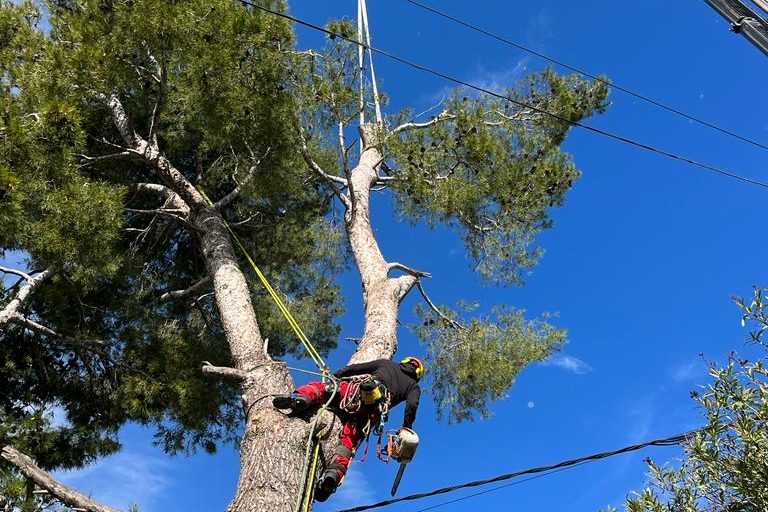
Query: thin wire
[[449, 78], [665, 441], [492, 489], [613, 85]]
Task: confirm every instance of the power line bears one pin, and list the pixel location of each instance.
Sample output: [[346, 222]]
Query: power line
[[541, 471], [458, 81], [497, 488], [613, 85]]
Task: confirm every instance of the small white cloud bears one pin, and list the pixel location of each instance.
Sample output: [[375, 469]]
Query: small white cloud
[[501, 79], [569, 363], [643, 412], [531, 405], [539, 30], [123, 479], [687, 371]]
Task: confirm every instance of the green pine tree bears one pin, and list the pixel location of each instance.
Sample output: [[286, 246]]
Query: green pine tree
[[114, 121]]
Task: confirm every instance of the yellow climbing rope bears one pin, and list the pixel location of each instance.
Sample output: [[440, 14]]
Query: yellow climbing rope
[[311, 350], [313, 443]]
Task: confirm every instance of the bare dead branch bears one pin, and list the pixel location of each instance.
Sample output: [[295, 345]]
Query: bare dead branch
[[245, 221], [47, 331], [407, 270], [181, 294], [12, 309], [15, 272], [330, 180], [430, 109], [442, 116], [166, 213], [224, 371], [159, 101], [90, 160], [61, 492], [224, 201], [453, 323]]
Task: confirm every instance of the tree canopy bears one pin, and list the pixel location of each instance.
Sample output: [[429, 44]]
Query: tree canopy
[[115, 117]]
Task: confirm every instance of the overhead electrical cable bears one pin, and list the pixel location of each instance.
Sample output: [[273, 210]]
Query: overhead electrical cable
[[560, 63], [498, 488], [664, 441], [458, 81]]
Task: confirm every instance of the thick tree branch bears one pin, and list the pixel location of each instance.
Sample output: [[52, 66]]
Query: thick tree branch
[[61, 492], [23, 275], [150, 152], [224, 371], [181, 294], [121, 121], [155, 188], [13, 307], [403, 285]]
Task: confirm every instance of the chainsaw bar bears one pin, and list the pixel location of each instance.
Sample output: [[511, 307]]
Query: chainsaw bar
[[398, 478]]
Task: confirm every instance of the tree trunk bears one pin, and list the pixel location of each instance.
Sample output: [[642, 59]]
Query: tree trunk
[[381, 294], [273, 445], [273, 448]]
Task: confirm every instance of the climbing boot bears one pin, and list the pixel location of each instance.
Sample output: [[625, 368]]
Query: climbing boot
[[293, 403], [327, 484]]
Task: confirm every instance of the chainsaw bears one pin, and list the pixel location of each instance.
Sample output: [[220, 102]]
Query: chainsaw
[[402, 447]]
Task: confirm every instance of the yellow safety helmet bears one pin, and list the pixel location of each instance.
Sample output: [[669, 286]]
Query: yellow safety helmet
[[417, 364]]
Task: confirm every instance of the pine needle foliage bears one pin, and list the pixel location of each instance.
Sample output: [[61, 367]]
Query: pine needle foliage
[[208, 80]]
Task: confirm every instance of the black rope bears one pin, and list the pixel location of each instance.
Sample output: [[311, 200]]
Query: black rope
[[458, 81], [613, 85], [665, 441]]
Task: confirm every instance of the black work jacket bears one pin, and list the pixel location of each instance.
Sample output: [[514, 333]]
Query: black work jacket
[[401, 386]]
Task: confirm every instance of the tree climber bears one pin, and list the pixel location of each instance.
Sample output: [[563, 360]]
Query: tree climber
[[366, 392]]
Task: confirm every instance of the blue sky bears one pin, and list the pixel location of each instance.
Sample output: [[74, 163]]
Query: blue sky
[[640, 265]]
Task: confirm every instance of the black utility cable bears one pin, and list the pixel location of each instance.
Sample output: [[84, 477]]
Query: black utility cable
[[449, 78], [497, 488], [613, 85], [664, 441]]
